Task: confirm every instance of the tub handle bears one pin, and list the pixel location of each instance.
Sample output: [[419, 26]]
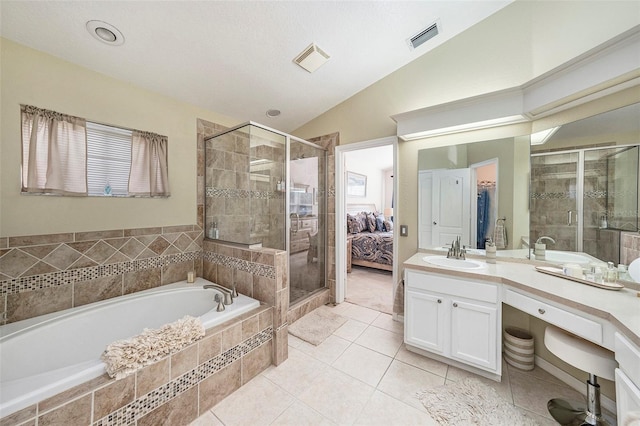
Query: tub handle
[[218, 298], [234, 292]]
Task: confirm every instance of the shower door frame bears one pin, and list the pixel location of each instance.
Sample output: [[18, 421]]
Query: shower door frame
[[323, 205]]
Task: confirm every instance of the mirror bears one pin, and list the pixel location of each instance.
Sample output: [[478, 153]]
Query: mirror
[[584, 186], [478, 191], [583, 191]]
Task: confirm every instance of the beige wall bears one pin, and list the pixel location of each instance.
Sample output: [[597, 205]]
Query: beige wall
[[31, 77], [511, 47]]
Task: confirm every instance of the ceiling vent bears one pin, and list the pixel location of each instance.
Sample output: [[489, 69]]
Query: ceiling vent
[[311, 58], [423, 36]]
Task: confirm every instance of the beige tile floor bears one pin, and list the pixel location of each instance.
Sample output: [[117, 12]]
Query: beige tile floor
[[363, 375]]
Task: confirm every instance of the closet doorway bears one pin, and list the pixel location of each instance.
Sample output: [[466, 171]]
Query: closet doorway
[[484, 205]]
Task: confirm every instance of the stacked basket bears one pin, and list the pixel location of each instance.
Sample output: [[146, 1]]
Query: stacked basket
[[518, 348]]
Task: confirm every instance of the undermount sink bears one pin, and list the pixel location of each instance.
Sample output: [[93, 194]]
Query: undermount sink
[[453, 263]]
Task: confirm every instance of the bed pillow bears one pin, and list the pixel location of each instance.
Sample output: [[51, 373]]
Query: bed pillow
[[353, 227], [388, 225], [362, 221], [380, 222], [371, 222]]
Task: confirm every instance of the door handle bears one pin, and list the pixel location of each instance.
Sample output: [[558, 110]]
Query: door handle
[[569, 217], [439, 300], [435, 223], [455, 305]]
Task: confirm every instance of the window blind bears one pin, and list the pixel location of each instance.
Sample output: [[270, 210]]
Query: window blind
[[108, 159]]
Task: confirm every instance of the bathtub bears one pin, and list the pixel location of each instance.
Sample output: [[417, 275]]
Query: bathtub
[[42, 356]]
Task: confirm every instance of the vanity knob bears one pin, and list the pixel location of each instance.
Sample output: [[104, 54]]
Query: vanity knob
[[541, 311], [455, 305], [439, 300]]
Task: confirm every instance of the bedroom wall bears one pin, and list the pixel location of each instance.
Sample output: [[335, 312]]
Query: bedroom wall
[[374, 181]]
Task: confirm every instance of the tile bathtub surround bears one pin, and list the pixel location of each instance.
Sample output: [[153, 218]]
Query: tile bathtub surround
[[258, 273], [181, 386], [40, 274]]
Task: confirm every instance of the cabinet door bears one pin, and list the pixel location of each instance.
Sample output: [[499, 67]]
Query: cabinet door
[[627, 396], [425, 323], [474, 334]]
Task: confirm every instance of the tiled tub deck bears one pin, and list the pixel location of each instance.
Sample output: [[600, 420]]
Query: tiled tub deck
[[174, 390]]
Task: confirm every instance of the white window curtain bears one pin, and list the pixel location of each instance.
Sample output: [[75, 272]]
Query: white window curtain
[[54, 152], [149, 174]]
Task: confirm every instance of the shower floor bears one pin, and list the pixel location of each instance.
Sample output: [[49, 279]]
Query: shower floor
[[304, 277]]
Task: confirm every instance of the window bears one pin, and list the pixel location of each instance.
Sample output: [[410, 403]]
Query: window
[[108, 160], [66, 155]]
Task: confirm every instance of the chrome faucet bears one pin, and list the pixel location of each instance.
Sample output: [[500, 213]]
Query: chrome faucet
[[539, 240], [226, 293], [455, 251]]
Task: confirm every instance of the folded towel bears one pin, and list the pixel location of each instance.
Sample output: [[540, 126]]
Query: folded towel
[[124, 357], [500, 235]]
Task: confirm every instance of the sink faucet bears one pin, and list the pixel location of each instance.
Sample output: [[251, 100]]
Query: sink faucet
[[455, 251], [226, 293], [539, 240]]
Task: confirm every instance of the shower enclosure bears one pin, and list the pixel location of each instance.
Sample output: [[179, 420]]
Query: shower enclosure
[[266, 188], [584, 198]]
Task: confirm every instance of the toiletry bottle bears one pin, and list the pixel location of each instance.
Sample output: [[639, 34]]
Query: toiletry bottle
[[598, 275], [212, 228], [612, 273], [216, 233], [490, 251], [603, 222]]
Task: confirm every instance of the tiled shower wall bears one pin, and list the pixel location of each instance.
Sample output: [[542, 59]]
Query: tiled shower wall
[[40, 274], [240, 197]]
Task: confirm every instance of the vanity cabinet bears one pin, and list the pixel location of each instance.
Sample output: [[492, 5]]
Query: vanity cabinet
[[456, 319], [627, 377]]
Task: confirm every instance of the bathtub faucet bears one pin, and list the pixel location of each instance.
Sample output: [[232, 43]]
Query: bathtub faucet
[[226, 293]]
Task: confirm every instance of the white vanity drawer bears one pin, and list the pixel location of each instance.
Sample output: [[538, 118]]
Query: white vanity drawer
[[571, 322], [628, 356], [484, 292]]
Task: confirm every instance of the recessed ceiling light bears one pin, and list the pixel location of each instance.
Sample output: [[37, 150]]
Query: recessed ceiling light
[[273, 113], [105, 32]]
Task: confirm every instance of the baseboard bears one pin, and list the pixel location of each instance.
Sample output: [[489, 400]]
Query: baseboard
[[605, 402]]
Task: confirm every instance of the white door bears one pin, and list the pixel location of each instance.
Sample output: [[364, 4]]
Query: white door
[[451, 206], [425, 217], [473, 334], [425, 324]]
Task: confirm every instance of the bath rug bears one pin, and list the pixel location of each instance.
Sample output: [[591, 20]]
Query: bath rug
[[316, 326], [471, 402], [124, 357]]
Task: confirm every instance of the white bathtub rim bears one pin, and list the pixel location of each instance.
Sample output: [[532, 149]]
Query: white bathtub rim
[[9, 330], [94, 369]]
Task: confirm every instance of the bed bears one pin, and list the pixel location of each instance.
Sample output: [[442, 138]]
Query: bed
[[370, 248]]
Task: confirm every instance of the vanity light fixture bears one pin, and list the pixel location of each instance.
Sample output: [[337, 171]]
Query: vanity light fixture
[[539, 138], [105, 32], [485, 124]]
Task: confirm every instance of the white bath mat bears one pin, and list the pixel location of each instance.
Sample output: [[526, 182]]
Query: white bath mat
[[471, 402], [316, 326]]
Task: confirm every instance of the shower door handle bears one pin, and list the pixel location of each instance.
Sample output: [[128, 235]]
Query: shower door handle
[[570, 217]]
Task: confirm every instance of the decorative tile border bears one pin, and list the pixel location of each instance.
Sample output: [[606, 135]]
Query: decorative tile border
[[211, 192], [260, 269], [38, 282], [154, 399]]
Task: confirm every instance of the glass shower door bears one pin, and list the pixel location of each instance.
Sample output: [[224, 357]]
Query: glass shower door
[[307, 219], [555, 205]]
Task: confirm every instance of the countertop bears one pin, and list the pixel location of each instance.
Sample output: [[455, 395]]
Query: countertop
[[621, 308]]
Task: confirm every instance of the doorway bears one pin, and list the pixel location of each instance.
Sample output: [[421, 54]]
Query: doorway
[[378, 195]]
